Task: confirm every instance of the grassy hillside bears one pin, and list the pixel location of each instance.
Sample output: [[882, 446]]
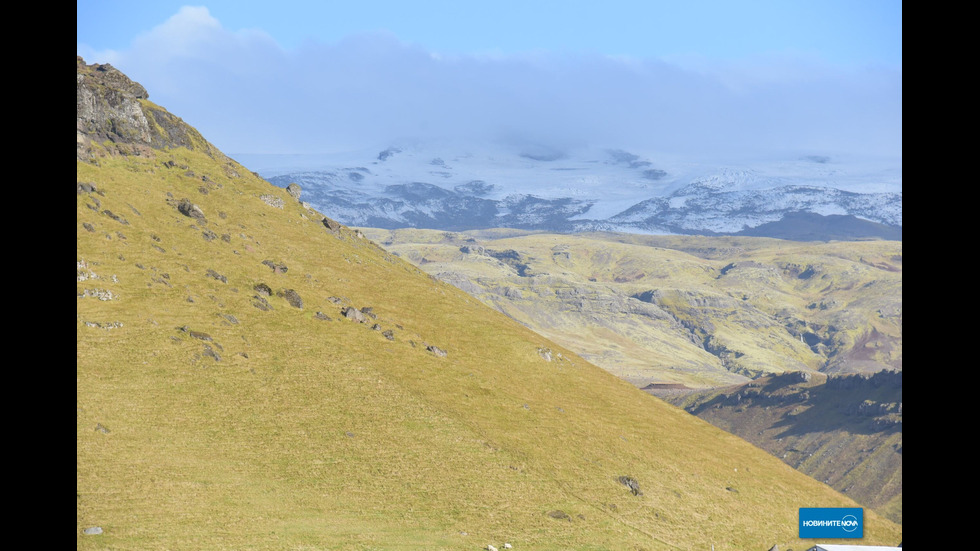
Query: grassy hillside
[[712, 313], [697, 311], [224, 401]]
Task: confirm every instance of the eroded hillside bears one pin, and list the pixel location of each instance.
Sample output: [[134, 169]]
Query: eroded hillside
[[698, 311], [843, 430]]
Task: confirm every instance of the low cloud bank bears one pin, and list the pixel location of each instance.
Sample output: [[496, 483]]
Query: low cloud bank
[[249, 95]]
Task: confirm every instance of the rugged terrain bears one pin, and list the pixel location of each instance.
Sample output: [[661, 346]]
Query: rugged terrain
[[844, 430], [700, 311], [253, 375]]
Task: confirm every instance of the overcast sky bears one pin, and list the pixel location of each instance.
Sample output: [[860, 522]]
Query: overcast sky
[[700, 77]]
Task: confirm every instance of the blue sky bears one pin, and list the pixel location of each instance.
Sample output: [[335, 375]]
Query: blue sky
[[699, 76]]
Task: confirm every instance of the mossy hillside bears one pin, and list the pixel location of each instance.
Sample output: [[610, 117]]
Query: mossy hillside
[[324, 433], [720, 310], [573, 299]]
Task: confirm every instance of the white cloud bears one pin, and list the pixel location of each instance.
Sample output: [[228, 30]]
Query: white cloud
[[247, 94]]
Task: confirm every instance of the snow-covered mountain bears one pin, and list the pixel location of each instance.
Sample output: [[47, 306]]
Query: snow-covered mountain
[[457, 187]]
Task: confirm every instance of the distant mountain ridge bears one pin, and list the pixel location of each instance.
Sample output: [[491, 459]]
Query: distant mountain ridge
[[599, 190]]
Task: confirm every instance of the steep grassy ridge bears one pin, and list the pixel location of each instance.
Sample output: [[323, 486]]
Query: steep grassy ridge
[[711, 312], [217, 408]]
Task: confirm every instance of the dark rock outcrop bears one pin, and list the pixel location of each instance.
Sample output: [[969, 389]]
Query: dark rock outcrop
[[292, 297], [436, 350], [215, 275], [632, 484], [111, 108], [277, 267], [185, 207], [330, 224]]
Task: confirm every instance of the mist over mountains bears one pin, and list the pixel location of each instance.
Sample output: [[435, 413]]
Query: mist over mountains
[[251, 94], [476, 185], [564, 140]]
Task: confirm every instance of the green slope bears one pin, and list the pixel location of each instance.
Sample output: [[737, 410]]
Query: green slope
[[708, 312], [212, 416], [699, 311]]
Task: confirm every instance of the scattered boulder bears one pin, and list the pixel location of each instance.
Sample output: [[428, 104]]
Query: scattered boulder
[[292, 297], [632, 484], [261, 303], [278, 268], [85, 187], [92, 531], [322, 316], [263, 289], [209, 352], [200, 335], [354, 314], [388, 334], [185, 207], [331, 225], [436, 350], [115, 217], [216, 275], [294, 190]]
